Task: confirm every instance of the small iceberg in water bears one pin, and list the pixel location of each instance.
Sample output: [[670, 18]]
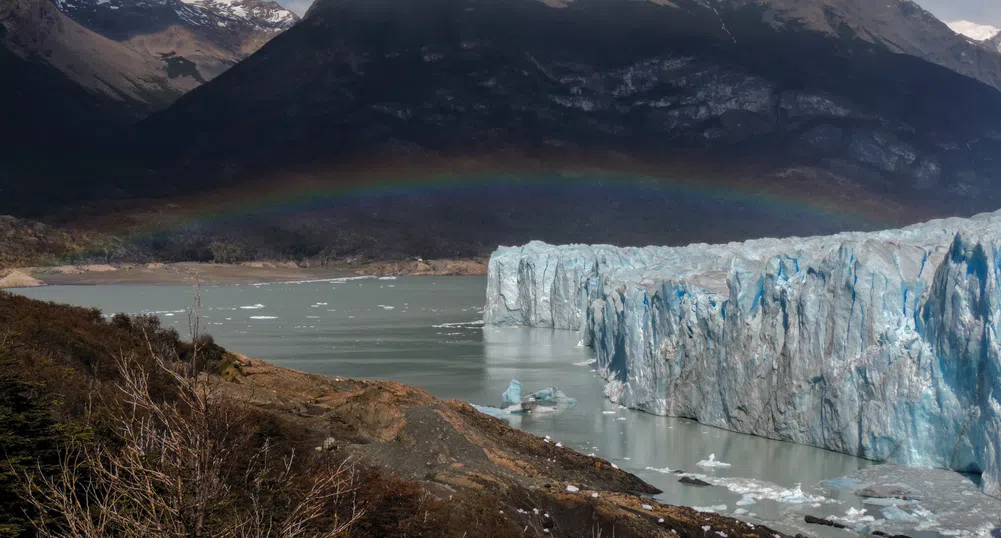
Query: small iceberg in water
[[712, 462], [547, 400], [512, 395]]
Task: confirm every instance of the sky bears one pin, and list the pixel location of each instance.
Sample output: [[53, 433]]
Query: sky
[[979, 11]]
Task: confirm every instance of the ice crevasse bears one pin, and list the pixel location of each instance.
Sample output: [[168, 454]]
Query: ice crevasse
[[882, 345]]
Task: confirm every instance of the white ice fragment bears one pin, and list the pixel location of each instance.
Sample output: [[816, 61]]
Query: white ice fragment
[[646, 507], [712, 462]]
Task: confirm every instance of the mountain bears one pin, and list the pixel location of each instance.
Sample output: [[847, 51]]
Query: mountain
[[142, 54], [203, 37], [35, 30], [819, 82], [868, 108]]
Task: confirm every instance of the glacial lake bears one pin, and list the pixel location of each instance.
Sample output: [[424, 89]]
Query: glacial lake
[[428, 332]]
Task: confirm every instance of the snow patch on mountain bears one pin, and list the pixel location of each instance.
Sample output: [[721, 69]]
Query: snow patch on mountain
[[974, 31], [264, 15]]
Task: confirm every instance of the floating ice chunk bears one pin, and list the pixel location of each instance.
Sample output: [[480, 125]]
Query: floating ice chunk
[[387, 278], [608, 412], [746, 500], [551, 397], [712, 462], [340, 280], [585, 363], [257, 306], [662, 470], [458, 325], [512, 396], [853, 516], [263, 317], [499, 412], [895, 513], [710, 509], [739, 511]]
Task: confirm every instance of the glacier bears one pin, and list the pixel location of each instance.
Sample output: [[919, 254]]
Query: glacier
[[882, 345]]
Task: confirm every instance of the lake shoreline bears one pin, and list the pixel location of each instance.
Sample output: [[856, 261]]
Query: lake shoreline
[[242, 273]]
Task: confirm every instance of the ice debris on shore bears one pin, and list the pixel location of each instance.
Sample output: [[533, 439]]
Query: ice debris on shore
[[850, 342]]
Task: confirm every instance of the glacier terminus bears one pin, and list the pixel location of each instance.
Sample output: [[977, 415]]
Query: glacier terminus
[[881, 345]]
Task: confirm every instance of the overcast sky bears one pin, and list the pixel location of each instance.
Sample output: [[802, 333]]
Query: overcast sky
[[980, 11]]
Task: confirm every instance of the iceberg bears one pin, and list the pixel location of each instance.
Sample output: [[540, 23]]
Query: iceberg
[[512, 396], [547, 400], [551, 397], [882, 345]]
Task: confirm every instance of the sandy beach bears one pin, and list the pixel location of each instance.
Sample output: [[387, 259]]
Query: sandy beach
[[213, 273]]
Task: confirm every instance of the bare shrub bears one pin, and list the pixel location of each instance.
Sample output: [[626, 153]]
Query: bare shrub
[[186, 466]]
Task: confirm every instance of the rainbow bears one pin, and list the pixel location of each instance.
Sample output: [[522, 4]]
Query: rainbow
[[797, 196], [303, 192]]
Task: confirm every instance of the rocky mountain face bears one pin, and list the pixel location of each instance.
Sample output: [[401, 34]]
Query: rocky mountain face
[[36, 31], [841, 86], [143, 54], [203, 37]]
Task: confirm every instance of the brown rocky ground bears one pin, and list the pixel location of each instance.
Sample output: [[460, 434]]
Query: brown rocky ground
[[465, 458], [460, 267], [243, 273]]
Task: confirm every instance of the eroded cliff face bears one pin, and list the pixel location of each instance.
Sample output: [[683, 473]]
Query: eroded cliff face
[[881, 345]]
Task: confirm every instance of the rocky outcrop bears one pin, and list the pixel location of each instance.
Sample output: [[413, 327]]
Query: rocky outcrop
[[880, 345]]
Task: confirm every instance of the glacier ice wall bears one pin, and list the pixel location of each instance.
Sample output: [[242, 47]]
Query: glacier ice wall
[[881, 345]]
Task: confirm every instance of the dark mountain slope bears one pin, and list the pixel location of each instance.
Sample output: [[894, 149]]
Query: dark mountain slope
[[359, 80], [54, 127]]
